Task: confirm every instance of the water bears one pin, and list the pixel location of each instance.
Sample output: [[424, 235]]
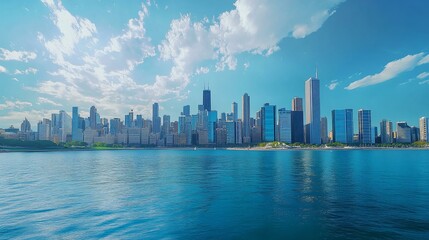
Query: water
[[215, 194]]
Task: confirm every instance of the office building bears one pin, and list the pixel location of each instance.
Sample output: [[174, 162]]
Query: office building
[[403, 132], [207, 102], [285, 125], [234, 111], [386, 131], [77, 132], [312, 111], [297, 121], [324, 130], [245, 116], [342, 126], [186, 110], [364, 123], [93, 117], [268, 122], [44, 129], [156, 119], [423, 124]]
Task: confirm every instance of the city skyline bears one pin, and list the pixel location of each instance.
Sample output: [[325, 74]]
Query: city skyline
[[130, 56]]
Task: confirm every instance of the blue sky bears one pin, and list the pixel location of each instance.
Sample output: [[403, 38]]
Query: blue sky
[[119, 55]]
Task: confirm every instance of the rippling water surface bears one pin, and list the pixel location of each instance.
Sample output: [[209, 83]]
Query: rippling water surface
[[215, 194]]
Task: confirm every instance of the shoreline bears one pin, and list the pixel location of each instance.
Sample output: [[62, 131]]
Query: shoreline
[[23, 150]]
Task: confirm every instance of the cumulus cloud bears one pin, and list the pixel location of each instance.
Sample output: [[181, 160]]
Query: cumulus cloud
[[14, 105], [391, 70], [26, 71], [424, 82], [2, 69], [12, 55]]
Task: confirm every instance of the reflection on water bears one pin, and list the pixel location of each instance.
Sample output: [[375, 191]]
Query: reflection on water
[[215, 194]]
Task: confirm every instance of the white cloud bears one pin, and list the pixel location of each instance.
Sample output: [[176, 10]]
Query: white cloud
[[16, 117], [390, 71], [423, 75], [22, 56], [14, 105], [246, 65], [26, 71], [333, 84], [42, 100], [424, 82], [202, 70], [15, 79], [2, 69]]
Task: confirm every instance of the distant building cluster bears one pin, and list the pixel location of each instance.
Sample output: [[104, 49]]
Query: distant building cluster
[[207, 128]]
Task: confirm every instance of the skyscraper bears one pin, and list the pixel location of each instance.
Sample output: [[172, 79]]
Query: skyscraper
[[312, 111], [268, 122], [423, 122], [93, 117], [44, 129], [386, 131], [245, 115], [364, 122], [186, 110], [284, 123], [297, 121], [297, 104], [25, 126], [211, 128], [65, 127], [156, 120], [234, 109], [403, 132], [77, 133], [207, 102], [324, 130], [342, 126]]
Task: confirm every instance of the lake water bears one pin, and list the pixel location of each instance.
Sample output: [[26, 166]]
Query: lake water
[[215, 194]]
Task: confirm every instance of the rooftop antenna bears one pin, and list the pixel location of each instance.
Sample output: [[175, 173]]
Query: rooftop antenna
[[204, 85], [317, 73]]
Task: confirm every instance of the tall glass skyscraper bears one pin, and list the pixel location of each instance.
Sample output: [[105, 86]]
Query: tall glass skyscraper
[[156, 120], [312, 111], [268, 122], [207, 102], [386, 131], [76, 131], [285, 131], [245, 115], [234, 109], [211, 128], [297, 119], [364, 122], [342, 126], [93, 117]]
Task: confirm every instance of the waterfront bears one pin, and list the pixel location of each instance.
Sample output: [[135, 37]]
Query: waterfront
[[212, 194]]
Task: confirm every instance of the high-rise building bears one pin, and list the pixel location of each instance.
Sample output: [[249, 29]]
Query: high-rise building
[[342, 126], [77, 132], [268, 122], [211, 128], [245, 116], [115, 126], [93, 117], [25, 126], [44, 129], [297, 104], [312, 111], [139, 121], [234, 111], [129, 119], [423, 122], [324, 130], [415, 134], [364, 122], [65, 127], [284, 125], [297, 121], [207, 102], [386, 131], [403, 132], [156, 120], [165, 125], [186, 110], [230, 132]]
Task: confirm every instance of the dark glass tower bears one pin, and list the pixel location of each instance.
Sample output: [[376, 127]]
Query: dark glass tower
[[207, 102]]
